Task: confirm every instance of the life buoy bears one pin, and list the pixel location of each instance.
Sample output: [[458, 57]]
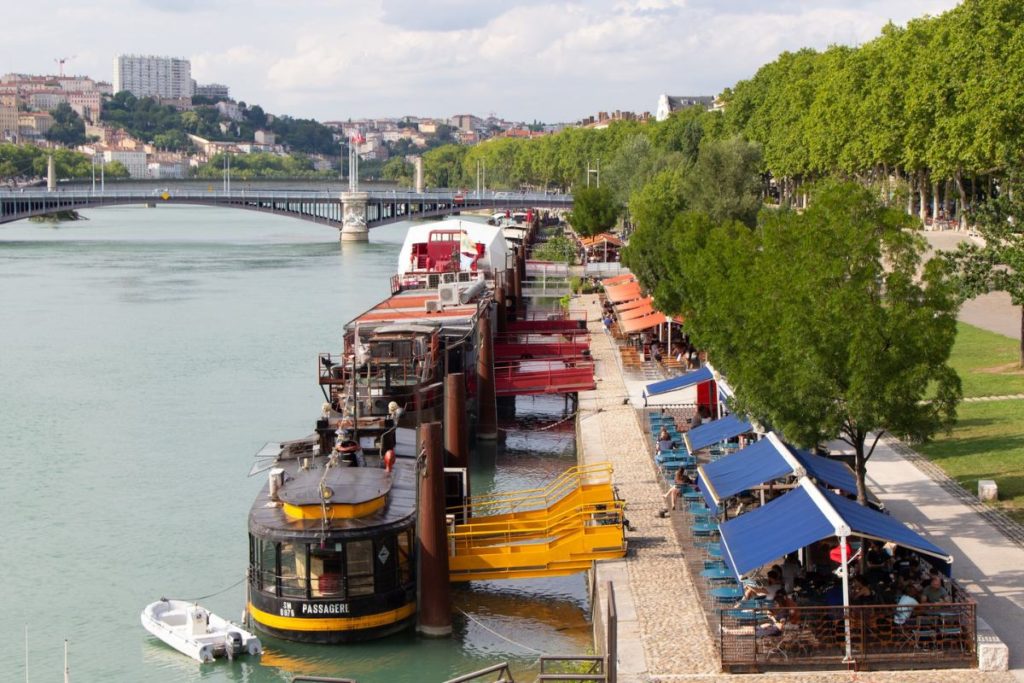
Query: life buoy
[[389, 460]]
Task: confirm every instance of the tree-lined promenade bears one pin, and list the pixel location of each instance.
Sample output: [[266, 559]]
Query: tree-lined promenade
[[822, 313], [934, 111]]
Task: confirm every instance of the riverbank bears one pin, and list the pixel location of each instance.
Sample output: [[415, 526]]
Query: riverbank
[[663, 632]]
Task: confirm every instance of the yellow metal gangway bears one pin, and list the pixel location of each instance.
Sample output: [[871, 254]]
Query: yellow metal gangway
[[557, 530]]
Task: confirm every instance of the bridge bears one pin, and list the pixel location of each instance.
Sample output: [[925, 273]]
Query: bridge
[[352, 213]]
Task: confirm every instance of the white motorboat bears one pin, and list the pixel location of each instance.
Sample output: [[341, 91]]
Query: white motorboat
[[197, 632]]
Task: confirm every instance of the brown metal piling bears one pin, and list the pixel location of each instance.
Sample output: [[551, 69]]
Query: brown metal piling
[[435, 608], [487, 420]]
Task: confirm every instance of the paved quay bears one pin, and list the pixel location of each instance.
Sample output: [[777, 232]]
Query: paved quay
[[663, 632]]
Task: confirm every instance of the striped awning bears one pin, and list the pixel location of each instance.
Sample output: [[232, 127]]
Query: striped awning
[[626, 292], [646, 322]]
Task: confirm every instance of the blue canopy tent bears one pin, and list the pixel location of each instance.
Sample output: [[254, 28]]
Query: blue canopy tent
[[769, 532], [713, 432], [681, 382], [764, 461]]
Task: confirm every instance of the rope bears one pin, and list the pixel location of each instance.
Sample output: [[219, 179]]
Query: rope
[[203, 597], [493, 632], [544, 428]]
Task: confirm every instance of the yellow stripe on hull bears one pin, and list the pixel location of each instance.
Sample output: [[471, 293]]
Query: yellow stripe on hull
[[333, 623]]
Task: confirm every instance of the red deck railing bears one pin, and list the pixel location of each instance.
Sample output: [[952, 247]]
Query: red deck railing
[[543, 377]]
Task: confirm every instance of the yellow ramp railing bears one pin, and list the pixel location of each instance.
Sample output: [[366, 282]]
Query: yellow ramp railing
[[559, 529]]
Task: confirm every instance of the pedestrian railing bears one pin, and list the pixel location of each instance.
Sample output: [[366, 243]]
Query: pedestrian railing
[[933, 636]]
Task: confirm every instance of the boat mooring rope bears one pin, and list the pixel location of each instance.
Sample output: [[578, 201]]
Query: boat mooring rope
[[493, 632], [545, 427], [203, 597]]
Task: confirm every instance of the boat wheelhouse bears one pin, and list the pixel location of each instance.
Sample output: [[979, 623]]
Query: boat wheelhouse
[[331, 548]]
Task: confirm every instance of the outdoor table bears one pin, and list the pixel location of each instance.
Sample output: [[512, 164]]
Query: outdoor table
[[718, 574], [704, 529], [727, 593]]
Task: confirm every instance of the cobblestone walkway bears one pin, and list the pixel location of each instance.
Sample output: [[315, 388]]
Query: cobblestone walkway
[[663, 631]]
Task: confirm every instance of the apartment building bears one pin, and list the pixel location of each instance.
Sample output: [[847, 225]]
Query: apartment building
[[150, 76]]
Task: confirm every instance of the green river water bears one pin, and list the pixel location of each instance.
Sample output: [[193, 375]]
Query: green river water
[[145, 356]]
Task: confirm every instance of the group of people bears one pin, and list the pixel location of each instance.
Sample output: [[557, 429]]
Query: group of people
[[892, 575]]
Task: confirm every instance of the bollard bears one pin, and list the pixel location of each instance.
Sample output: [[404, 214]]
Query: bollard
[[435, 608]]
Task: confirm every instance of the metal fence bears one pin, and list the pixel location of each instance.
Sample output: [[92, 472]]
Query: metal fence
[[939, 636]]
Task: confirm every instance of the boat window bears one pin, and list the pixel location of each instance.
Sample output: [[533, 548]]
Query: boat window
[[267, 565], [326, 569], [293, 570], [404, 557], [386, 563], [360, 568]]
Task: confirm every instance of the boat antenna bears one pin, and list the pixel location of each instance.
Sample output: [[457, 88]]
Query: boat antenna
[[67, 676], [26, 653]]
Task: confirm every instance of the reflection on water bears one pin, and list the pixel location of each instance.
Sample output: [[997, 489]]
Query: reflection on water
[[145, 355]]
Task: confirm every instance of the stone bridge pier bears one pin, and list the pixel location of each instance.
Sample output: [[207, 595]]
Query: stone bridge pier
[[354, 228]]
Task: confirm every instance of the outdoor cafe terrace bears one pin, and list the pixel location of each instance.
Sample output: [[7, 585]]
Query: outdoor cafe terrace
[[756, 503]]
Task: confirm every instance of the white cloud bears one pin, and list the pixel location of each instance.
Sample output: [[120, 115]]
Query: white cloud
[[530, 59]]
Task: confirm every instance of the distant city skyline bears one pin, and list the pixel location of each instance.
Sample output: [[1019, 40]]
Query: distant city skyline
[[524, 60]]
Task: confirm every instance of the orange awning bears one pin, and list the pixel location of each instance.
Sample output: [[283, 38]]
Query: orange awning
[[626, 292], [637, 313], [637, 324], [617, 279], [635, 303]]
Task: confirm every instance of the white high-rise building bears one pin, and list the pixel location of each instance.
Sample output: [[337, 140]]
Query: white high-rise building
[[148, 76]]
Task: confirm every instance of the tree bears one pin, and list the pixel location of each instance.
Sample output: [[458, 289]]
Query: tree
[[725, 183], [594, 210], [999, 264], [823, 327], [397, 169], [67, 129], [558, 248], [442, 166]]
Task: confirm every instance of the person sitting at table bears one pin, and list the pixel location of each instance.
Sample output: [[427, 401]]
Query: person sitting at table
[[681, 479], [935, 591], [770, 588], [908, 600], [860, 592], [783, 615], [665, 442]]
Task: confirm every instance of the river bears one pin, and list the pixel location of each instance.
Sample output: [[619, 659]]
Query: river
[[145, 356]]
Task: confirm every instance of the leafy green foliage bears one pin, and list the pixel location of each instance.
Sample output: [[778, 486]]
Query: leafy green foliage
[[998, 265], [263, 165], [68, 129], [443, 167], [558, 248], [28, 161], [303, 135], [398, 170], [594, 210], [820, 321]]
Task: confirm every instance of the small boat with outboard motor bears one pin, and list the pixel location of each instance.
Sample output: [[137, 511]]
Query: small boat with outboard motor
[[197, 632]]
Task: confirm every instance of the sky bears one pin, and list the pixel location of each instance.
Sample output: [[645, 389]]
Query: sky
[[522, 60]]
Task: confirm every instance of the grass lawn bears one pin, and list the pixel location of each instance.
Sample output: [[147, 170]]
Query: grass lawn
[[987, 443], [986, 362]]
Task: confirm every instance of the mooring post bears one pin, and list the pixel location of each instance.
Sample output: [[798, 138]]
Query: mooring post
[[435, 609], [517, 285], [499, 302], [487, 427], [511, 295], [456, 445]]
